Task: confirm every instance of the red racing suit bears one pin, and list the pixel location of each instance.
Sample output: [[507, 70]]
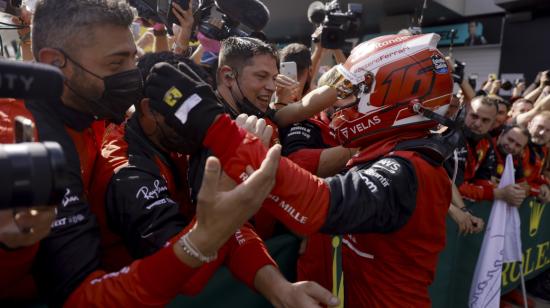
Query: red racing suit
[[303, 143], [140, 195], [534, 158], [402, 197], [476, 166], [65, 265]]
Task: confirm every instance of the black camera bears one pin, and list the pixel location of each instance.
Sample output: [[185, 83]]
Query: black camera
[[209, 12], [458, 71], [32, 173], [337, 24], [159, 11], [11, 7], [216, 19]]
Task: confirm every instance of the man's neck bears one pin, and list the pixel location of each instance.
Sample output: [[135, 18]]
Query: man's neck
[[225, 93]]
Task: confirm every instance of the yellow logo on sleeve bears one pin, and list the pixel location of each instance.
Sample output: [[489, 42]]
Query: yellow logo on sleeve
[[172, 96]]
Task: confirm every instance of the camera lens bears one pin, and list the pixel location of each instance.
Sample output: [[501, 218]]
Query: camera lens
[[33, 174]]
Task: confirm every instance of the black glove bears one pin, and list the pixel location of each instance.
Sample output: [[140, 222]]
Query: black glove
[[188, 104]]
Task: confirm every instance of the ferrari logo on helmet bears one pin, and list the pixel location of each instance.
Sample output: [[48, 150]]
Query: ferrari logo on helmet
[[172, 96]]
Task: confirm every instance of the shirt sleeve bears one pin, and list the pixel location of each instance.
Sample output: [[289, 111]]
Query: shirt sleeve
[[140, 210], [379, 198]]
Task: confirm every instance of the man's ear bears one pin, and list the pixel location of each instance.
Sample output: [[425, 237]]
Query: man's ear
[[226, 75], [53, 57]]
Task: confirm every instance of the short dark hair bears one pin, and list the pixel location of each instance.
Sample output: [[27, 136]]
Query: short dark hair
[[485, 100], [61, 23], [237, 52], [298, 53], [507, 128], [499, 101]]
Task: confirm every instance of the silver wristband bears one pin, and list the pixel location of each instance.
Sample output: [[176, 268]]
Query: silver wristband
[[192, 250]]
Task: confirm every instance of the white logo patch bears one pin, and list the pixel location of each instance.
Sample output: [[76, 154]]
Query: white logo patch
[[148, 194]]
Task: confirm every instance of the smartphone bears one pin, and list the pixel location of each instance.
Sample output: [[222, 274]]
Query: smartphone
[[164, 10], [472, 80], [289, 69], [136, 29]]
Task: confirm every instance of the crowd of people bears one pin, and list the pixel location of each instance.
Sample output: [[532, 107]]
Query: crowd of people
[[185, 157]]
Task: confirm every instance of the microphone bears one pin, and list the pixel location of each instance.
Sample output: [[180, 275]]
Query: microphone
[[316, 12], [30, 80], [251, 13]]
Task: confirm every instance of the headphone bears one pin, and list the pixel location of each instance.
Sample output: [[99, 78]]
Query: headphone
[[230, 75]]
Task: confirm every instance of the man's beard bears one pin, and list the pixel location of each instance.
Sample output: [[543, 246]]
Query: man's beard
[[81, 92]]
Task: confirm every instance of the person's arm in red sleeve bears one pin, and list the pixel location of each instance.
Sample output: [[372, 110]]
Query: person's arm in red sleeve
[[306, 198], [478, 190], [307, 159], [244, 254], [303, 144], [247, 256], [150, 282]]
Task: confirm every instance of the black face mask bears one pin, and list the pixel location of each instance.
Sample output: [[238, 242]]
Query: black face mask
[[121, 91]]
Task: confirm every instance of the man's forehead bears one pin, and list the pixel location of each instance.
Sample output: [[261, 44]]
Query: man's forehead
[[516, 134], [262, 63], [478, 107], [541, 120], [109, 40]]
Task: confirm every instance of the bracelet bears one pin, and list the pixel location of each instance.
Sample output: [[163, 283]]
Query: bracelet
[[465, 209], [191, 250]]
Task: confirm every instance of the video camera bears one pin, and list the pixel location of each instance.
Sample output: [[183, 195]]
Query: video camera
[[337, 24], [216, 19], [33, 173], [208, 13]]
